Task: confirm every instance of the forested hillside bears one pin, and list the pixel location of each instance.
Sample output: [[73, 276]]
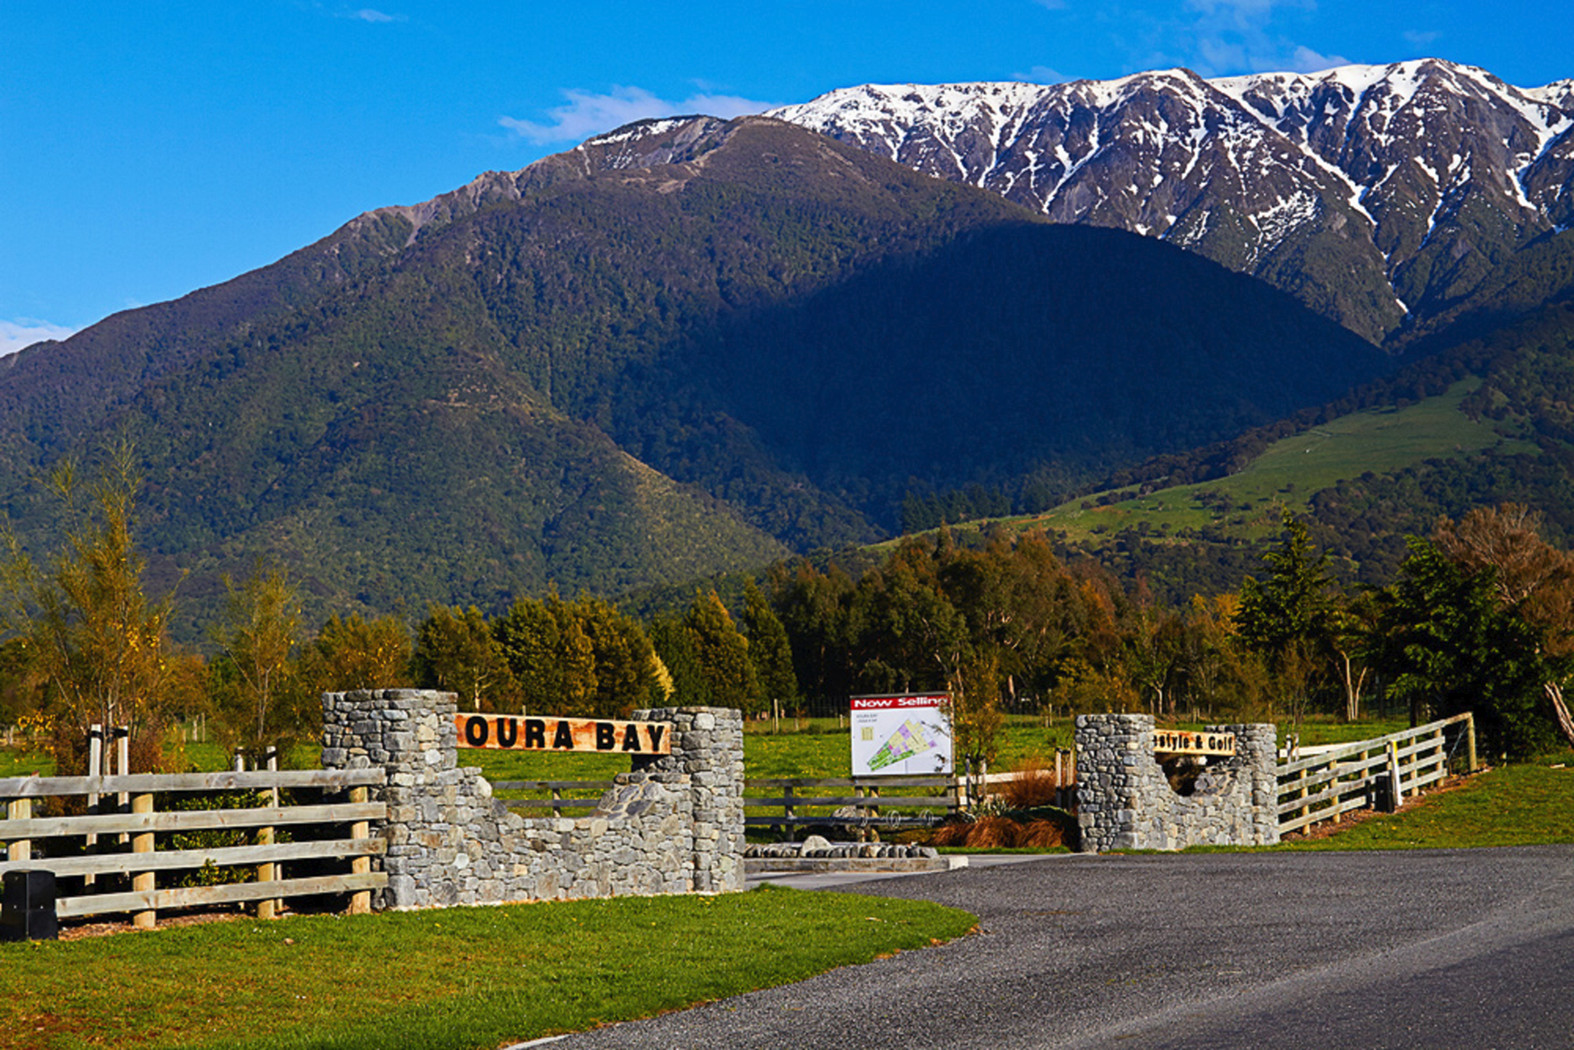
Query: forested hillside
[[684, 347]]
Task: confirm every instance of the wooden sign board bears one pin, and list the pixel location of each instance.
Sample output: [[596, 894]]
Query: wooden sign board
[[518, 733], [1174, 742]]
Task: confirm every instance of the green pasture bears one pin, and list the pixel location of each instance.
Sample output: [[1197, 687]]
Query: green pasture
[[810, 747], [1289, 471]]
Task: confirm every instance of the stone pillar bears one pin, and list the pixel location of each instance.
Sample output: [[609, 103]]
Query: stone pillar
[[1110, 779], [1125, 801], [707, 750], [410, 732]]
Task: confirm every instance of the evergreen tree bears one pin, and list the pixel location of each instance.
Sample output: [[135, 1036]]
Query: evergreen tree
[[531, 642], [1450, 647], [457, 651], [1292, 604], [768, 651], [624, 661], [722, 652], [576, 657], [678, 654]]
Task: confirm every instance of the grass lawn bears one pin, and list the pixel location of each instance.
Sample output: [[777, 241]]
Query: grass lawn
[[461, 977], [1520, 805]]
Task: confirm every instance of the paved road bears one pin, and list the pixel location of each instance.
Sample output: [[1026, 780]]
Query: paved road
[[1284, 951]]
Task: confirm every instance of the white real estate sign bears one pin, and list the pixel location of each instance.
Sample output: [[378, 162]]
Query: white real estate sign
[[901, 734]]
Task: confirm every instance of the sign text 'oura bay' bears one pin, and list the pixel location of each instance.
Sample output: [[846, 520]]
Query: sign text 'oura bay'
[[523, 733]]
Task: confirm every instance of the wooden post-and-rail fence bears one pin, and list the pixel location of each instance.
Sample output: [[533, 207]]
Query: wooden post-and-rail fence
[[88, 858], [1386, 769]]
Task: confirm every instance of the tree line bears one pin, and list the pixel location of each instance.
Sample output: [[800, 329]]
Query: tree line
[[1479, 615]]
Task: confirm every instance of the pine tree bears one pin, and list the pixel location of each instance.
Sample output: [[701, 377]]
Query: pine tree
[[769, 651], [722, 652]]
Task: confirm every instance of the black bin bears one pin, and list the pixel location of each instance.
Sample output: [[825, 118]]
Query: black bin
[[27, 906]]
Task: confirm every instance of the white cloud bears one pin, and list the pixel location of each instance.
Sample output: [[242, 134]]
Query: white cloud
[[1051, 5], [587, 113], [1305, 60], [25, 331], [1042, 75], [1420, 37], [1239, 36], [368, 14]]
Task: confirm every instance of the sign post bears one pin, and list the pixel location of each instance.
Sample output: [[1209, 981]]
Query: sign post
[[896, 735]]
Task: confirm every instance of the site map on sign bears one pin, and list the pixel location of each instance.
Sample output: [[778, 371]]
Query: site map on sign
[[911, 738]]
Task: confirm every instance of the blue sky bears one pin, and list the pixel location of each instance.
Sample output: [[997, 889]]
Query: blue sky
[[148, 149]]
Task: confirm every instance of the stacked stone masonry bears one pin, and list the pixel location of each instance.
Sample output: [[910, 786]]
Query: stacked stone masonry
[[672, 824], [1125, 800]]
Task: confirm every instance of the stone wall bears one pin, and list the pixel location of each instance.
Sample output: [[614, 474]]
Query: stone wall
[[1125, 800], [673, 824]]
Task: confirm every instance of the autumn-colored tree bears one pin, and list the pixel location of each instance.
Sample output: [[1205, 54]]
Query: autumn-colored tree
[[90, 637], [354, 653], [257, 691], [1530, 578]]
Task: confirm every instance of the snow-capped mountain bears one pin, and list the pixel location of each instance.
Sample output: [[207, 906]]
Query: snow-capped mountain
[[1371, 192]]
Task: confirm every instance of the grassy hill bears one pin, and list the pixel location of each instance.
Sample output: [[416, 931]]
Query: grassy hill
[[1287, 474]]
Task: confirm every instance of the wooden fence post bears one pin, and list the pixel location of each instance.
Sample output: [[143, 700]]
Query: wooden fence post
[[1470, 742], [19, 849], [95, 768], [874, 811], [122, 736], [1398, 791], [143, 882], [863, 830], [361, 902], [267, 872]]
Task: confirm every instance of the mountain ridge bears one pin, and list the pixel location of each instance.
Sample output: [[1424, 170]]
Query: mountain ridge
[[1379, 195]]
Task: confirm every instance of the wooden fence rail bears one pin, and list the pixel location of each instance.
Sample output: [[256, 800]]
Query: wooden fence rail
[[1336, 780], [800, 805], [115, 842], [554, 789]]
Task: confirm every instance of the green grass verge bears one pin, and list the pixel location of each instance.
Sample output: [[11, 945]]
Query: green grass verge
[[455, 978], [1520, 805]]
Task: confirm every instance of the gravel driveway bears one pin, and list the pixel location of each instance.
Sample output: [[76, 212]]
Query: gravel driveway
[[1436, 949]]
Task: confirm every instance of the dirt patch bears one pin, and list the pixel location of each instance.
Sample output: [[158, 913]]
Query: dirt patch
[[77, 931]]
